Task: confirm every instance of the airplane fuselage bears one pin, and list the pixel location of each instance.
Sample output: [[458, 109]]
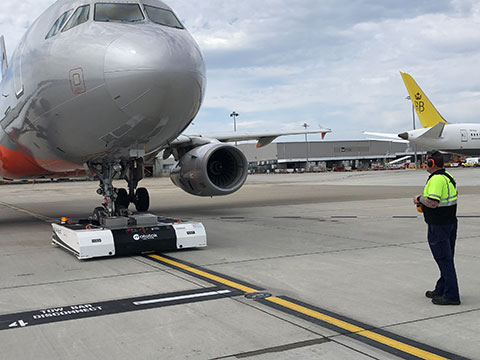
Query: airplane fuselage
[[96, 91], [463, 139]]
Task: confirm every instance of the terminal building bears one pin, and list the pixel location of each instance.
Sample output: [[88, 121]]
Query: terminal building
[[328, 155], [319, 156]]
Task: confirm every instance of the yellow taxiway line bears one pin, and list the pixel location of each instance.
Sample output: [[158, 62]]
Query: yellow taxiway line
[[412, 350], [341, 324], [205, 274]]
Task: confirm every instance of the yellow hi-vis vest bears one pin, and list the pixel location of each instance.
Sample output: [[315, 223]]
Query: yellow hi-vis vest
[[439, 187], [443, 189]]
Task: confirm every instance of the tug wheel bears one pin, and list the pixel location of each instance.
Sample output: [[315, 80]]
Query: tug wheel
[[98, 214]]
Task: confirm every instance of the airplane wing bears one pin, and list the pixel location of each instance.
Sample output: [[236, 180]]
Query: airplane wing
[[392, 137], [385, 135], [263, 138]]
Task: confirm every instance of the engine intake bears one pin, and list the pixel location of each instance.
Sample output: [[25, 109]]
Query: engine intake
[[211, 170]]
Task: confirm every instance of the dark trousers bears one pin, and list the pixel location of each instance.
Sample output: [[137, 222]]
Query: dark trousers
[[441, 239]]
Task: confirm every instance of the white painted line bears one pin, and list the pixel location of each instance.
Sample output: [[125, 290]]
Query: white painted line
[[182, 297]]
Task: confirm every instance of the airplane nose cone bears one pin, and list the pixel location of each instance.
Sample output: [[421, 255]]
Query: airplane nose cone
[[161, 51], [403, 136], [156, 75]]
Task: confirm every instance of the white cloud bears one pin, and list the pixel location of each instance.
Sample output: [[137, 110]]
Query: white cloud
[[17, 16], [280, 63]]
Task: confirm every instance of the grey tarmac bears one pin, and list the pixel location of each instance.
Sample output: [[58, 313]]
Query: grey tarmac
[[351, 244]]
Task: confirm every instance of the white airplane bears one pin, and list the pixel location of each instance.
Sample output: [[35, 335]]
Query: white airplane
[[99, 88], [436, 132]]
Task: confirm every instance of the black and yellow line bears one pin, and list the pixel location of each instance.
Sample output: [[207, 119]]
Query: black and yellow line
[[391, 343], [204, 274]]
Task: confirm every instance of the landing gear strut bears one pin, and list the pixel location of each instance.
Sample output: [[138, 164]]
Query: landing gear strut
[[134, 174], [117, 200]]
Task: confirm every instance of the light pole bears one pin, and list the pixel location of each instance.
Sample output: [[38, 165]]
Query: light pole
[[413, 117], [234, 115], [305, 125]]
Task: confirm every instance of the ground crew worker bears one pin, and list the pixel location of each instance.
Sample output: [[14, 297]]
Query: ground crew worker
[[439, 206]]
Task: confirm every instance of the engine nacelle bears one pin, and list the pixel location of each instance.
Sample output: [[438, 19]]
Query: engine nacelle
[[211, 170]]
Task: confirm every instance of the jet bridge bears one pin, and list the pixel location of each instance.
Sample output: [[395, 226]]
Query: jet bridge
[[127, 235]]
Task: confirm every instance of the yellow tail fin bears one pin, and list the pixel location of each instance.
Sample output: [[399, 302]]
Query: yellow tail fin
[[427, 114]]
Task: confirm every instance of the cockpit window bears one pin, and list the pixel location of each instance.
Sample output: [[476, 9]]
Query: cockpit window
[[79, 17], [163, 17], [118, 12], [58, 24]]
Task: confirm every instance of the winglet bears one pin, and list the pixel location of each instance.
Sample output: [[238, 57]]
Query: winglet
[[264, 141], [3, 52], [427, 114]]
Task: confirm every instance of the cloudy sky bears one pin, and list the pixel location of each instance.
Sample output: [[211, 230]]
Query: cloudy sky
[[336, 63]]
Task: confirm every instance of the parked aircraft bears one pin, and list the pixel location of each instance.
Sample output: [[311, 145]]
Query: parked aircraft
[[101, 87], [436, 132]]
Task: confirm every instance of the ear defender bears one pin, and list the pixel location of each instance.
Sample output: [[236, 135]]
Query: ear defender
[[430, 163]]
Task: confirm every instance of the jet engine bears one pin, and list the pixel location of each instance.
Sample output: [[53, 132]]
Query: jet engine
[[212, 169]]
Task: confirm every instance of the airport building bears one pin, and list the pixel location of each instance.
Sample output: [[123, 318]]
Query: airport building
[[327, 155], [319, 156]]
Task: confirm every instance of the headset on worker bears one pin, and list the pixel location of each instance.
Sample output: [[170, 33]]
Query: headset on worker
[[435, 158]]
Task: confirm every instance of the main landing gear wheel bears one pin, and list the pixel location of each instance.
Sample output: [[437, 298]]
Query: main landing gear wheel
[[142, 200]]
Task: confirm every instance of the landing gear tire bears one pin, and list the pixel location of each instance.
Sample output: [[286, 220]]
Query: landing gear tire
[[121, 202], [142, 200], [122, 198], [98, 214]]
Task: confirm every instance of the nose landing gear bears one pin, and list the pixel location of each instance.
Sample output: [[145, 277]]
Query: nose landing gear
[[117, 200], [122, 202], [142, 200], [133, 175]]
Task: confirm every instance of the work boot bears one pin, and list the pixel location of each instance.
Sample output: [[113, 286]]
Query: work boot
[[432, 294], [443, 301]]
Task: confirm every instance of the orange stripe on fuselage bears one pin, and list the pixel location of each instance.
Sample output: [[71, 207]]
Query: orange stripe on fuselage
[[15, 165]]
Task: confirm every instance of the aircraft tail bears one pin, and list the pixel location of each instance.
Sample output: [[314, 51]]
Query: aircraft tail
[[427, 114], [3, 54]]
